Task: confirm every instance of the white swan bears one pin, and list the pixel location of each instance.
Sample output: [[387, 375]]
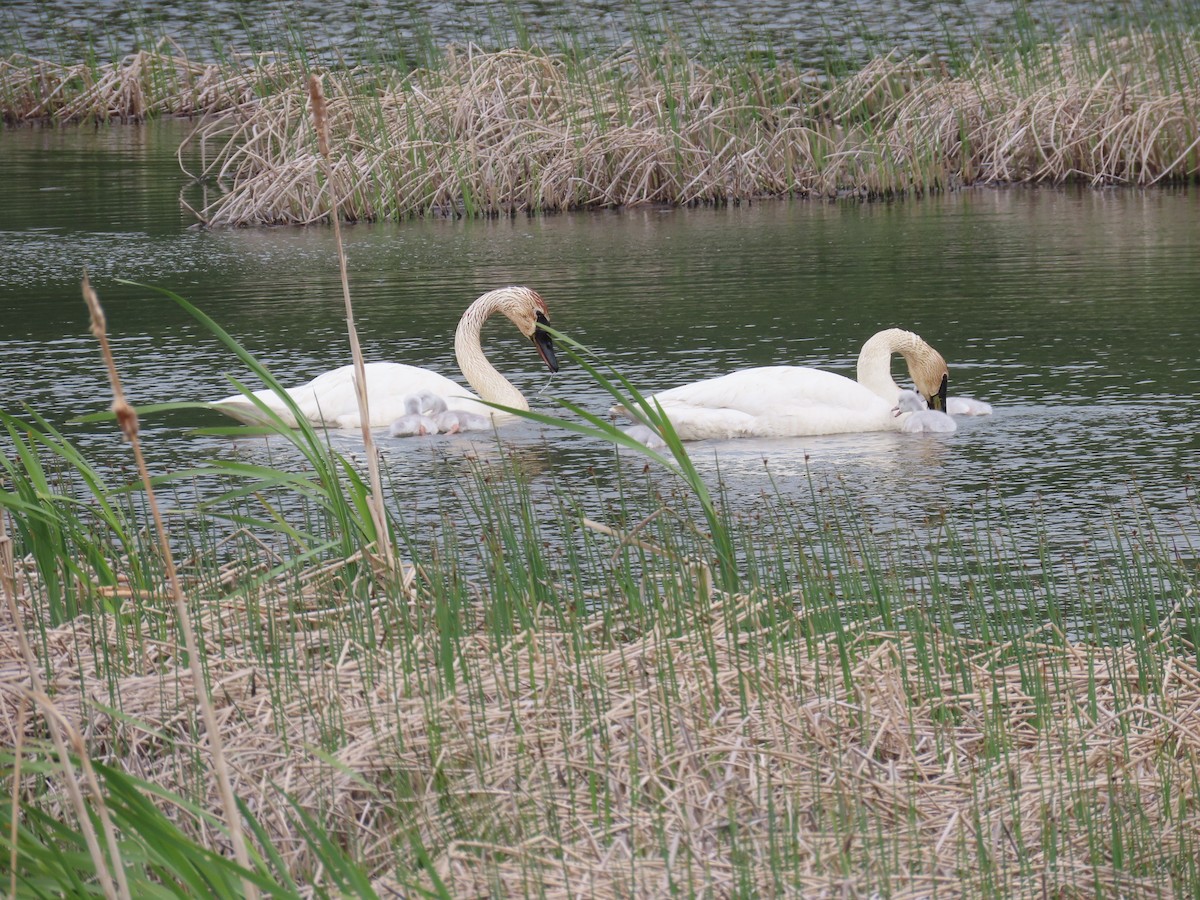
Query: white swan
[[967, 406], [921, 418], [644, 434], [329, 399], [787, 401], [414, 421]]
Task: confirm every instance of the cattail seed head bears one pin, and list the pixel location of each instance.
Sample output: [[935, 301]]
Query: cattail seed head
[[320, 115]]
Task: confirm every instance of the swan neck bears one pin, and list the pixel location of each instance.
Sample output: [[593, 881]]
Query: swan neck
[[875, 363], [468, 351]]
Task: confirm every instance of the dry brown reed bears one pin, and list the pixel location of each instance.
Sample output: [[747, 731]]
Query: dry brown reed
[[160, 82], [62, 734], [486, 133], [383, 542], [498, 133], [663, 760]]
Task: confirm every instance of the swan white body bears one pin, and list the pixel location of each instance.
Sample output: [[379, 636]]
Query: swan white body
[[787, 401], [967, 406], [414, 421], [644, 434], [331, 399], [921, 419]]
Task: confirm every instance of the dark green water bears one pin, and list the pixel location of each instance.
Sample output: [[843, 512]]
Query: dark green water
[[1075, 312]]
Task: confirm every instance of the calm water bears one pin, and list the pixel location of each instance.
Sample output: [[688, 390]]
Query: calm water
[[808, 29], [1074, 312]]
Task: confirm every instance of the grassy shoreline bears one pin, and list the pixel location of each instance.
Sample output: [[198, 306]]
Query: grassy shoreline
[[595, 717], [479, 133]]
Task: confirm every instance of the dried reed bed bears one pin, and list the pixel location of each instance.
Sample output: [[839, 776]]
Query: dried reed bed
[[494, 133], [145, 84], [744, 754], [500, 133]]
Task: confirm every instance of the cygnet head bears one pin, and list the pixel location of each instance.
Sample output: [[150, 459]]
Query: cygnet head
[[429, 403], [908, 401]]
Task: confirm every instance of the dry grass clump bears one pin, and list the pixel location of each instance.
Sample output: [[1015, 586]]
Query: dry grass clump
[[745, 753], [500, 133], [142, 85], [1122, 111]]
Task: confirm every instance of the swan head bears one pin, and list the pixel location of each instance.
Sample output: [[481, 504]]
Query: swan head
[[526, 309], [929, 372]]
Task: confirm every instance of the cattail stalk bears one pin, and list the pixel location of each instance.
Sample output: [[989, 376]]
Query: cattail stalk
[[320, 116], [128, 422]]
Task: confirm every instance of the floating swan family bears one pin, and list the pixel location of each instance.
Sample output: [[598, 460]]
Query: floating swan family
[[769, 401], [330, 398]]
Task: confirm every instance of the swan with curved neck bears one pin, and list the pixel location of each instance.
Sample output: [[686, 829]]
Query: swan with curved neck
[[925, 365], [790, 401], [329, 399]]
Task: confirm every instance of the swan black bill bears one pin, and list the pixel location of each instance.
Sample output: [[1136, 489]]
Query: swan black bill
[[545, 344], [938, 400]]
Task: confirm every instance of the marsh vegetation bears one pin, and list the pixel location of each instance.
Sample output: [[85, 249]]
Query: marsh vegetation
[[481, 133], [268, 675]]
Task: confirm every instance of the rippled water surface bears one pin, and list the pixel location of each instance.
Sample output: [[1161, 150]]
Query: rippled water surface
[[369, 29], [1075, 312]]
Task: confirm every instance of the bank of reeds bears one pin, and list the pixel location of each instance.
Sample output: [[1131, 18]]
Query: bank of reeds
[[518, 131], [495, 133], [142, 85], [589, 714]]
